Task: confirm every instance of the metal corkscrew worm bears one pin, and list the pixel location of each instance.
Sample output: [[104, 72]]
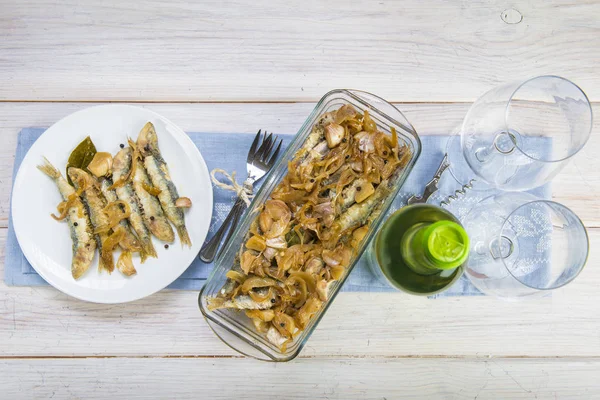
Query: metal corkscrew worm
[[457, 193]]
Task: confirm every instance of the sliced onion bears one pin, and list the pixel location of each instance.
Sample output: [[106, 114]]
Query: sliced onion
[[260, 298], [276, 243], [236, 276], [394, 141], [307, 311], [263, 315], [300, 298], [247, 261], [257, 282], [368, 124], [64, 206], [130, 243], [344, 113], [154, 191], [337, 272], [306, 277], [256, 243], [113, 240], [284, 324], [115, 211], [109, 245]]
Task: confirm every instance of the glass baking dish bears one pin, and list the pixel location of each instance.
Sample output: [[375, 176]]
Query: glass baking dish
[[233, 327]]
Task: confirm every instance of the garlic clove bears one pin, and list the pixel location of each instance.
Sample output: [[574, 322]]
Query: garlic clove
[[334, 134], [183, 202], [101, 164]]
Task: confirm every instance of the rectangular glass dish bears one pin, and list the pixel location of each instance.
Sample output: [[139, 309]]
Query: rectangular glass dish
[[233, 326]]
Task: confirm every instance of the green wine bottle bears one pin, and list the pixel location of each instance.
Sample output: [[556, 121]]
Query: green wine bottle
[[429, 247], [420, 249]]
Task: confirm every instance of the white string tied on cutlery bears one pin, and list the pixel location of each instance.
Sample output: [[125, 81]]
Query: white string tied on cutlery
[[244, 191]]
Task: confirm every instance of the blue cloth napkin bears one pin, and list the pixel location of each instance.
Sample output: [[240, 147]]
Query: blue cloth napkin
[[228, 151]]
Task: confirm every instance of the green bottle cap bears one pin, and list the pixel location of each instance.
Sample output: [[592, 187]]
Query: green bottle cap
[[446, 244]]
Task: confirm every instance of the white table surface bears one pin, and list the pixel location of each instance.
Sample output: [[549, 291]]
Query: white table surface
[[235, 66]]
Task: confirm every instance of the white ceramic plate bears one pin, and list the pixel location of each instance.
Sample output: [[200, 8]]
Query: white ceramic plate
[[47, 243]]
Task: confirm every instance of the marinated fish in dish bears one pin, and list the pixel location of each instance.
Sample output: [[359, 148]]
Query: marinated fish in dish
[[113, 203], [153, 215], [82, 235], [122, 163], [309, 231], [129, 242], [147, 143], [95, 203]]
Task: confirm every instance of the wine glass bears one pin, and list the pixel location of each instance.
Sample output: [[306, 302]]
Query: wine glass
[[523, 246], [518, 136]]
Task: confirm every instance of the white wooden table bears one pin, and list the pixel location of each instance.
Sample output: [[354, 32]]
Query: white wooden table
[[236, 66]]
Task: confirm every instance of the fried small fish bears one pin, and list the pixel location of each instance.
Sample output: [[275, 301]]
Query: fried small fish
[[358, 213], [153, 214], [95, 202], [121, 166], [84, 244], [130, 242], [156, 167]]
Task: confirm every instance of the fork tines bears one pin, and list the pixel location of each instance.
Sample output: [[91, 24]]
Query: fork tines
[[264, 154]]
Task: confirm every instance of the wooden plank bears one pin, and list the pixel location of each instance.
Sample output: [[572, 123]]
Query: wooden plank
[[305, 379], [578, 186], [295, 50], [40, 321]]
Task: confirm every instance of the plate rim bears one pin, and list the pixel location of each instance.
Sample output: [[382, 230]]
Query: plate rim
[[180, 135]]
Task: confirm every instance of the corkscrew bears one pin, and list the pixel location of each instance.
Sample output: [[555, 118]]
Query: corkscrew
[[432, 185], [458, 193]]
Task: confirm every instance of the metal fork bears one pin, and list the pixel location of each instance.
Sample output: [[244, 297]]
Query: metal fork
[[259, 161]]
